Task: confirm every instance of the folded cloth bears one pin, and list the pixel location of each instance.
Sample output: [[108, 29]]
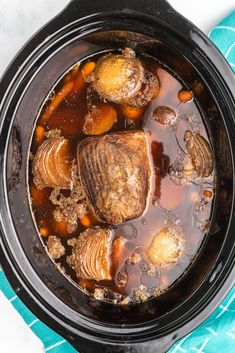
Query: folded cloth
[[215, 335], [15, 336], [28, 335], [223, 35]]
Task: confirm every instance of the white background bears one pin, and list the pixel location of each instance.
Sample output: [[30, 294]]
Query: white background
[[19, 19]]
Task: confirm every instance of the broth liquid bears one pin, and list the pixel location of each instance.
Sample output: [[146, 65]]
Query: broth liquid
[[168, 203]]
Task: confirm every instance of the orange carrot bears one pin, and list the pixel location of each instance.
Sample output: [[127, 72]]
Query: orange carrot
[[39, 196], [39, 135], [61, 228], [61, 95], [85, 221], [74, 71], [87, 69], [68, 87], [44, 232], [118, 252], [132, 112], [87, 284], [185, 95], [68, 77], [208, 193]]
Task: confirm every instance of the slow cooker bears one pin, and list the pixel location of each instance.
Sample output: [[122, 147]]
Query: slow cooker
[[80, 30]]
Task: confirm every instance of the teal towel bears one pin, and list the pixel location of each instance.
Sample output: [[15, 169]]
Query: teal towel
[[217, 333], [223, 35]]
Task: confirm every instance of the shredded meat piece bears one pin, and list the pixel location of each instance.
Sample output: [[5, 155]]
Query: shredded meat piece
[[141, 294], [126, 301], [99, 293], [135, 258], [107, 295], [55, 133], [69, 261], [158, 291], [70, 208], [61, 268], [55, 248], [151, 271], [71, 242]]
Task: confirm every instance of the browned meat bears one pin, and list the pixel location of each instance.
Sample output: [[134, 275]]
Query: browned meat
[[114, 171], [69, 209], [55, 248]]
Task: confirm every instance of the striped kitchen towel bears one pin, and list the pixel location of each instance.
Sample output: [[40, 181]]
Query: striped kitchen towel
[[53, 343], [223, 35], [217, 333]]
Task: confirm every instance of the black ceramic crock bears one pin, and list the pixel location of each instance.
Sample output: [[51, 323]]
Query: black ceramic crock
[[84, 28]]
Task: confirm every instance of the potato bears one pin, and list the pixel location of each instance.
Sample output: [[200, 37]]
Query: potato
[[165, 248]]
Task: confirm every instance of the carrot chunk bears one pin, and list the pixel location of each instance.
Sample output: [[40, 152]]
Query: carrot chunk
[[86, 284], [44, 231], [88, 68], [185, 95], [76, 83], [61, 95], [132, 112], [39, 197], [86, 71], [61, 228], [39, 135], [85, 221]]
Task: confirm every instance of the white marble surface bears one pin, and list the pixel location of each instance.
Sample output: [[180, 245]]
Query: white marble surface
[[19, 19], [13, 326]]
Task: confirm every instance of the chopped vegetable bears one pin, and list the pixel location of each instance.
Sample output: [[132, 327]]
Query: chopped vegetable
[[132, 112], [39, 135], [185, 95], [100, 120]]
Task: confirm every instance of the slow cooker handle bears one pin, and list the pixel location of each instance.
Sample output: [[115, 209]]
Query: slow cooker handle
[[82, 8], [160, 345]]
